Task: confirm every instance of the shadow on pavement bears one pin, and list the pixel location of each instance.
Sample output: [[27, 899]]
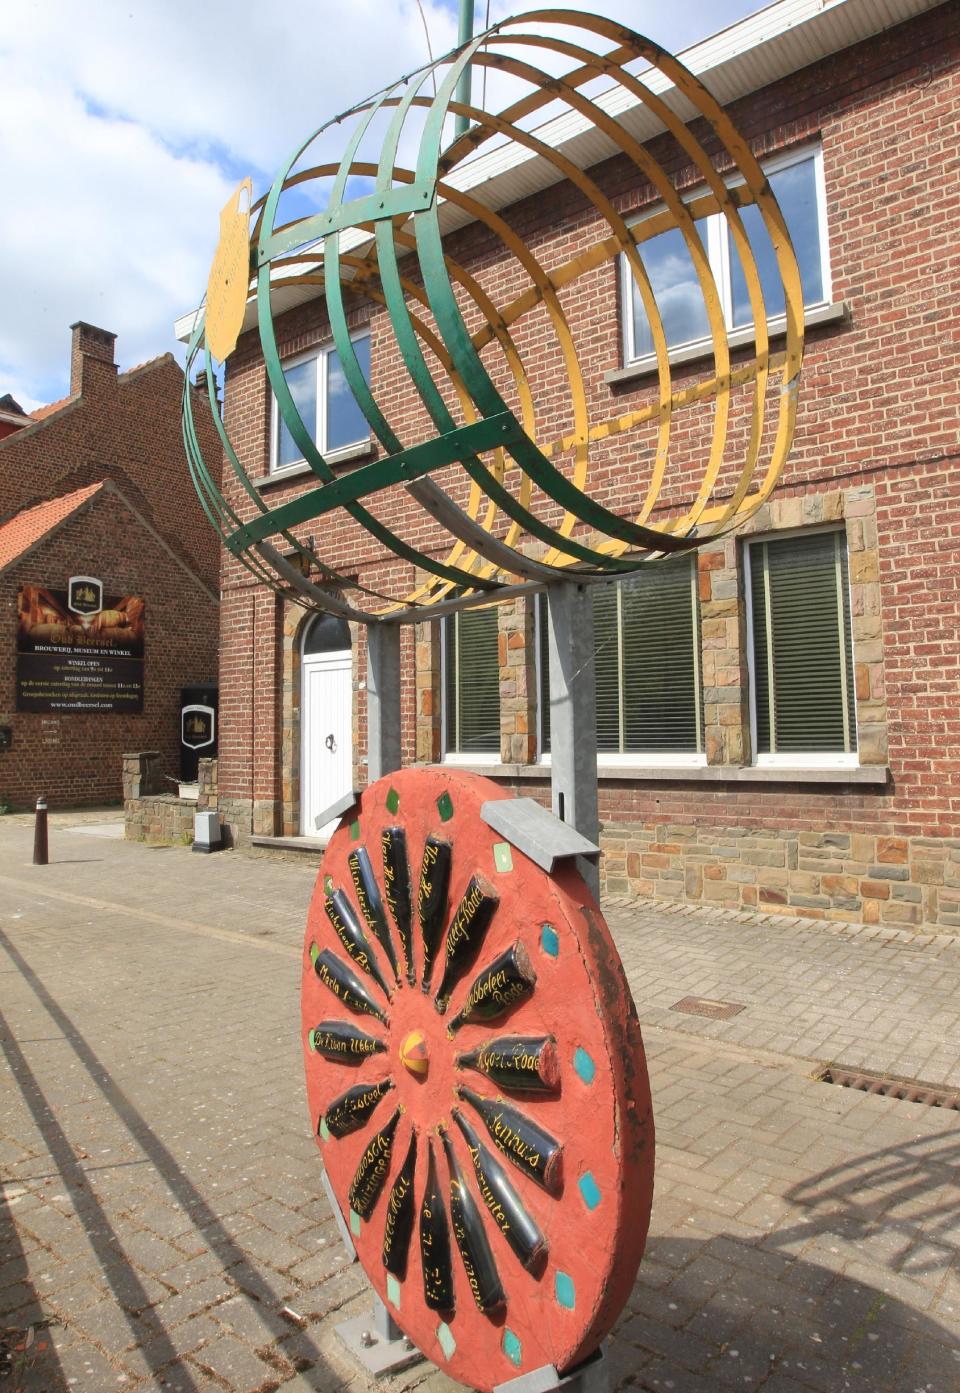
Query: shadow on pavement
[[123, 1279], [726, 1313], [24, 1345]]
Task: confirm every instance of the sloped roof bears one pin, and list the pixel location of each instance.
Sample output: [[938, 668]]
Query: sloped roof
[[26, 528], [42, 412]]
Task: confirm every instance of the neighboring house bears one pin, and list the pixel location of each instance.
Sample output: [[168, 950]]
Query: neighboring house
[[108, 580], [777, 715]]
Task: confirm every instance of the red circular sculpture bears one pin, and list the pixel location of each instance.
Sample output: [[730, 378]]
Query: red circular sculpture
[[476, 1081]]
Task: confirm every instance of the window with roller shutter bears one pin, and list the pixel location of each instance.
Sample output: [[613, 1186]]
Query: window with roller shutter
[[470, 677]]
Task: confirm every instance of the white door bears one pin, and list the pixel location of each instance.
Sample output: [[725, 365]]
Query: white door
[[326, 736]]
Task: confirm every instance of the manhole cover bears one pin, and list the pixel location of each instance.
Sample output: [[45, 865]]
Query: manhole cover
[[705, 1006]]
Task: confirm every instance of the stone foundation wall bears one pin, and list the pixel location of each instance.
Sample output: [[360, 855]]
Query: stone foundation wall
[[898, 881], [160, 820]]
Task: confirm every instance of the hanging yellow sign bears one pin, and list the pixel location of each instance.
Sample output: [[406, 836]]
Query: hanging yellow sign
[[229, 276]]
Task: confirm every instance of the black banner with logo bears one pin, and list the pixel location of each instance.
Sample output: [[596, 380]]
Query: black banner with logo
[[79, 650]]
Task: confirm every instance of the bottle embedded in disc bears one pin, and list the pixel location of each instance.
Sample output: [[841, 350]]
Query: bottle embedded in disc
[[482, 1276], [346, 925], [344, 983], [372, 1171], [398, 1225], [502, 984], [531, 1149], [343, 1043], [522, 1063], [396, 892], [367, 892], [438, 1294], [465, 936], [502, 1201], [349, 1112], [432, 900]]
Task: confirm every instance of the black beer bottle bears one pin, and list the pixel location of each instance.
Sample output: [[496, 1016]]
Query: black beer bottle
[[525, 1064], [502, 1200], [435, 1244], [341, 914], [532, 1150], [343, 1043], [344, 983], [372, 1171], [368, 898], [398, 1224], [505, 982], [432, 900], [465, 935], [482, 1276], [396, 892], [350, 1111]]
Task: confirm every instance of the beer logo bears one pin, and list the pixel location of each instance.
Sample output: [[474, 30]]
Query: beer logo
[[85, 594], [197, 726]]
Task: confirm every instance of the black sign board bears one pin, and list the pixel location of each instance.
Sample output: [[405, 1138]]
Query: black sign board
[[74, 659], [197, 726]]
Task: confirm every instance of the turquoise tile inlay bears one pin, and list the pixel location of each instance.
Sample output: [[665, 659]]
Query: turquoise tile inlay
[[566, 1292], [512, 1347], [355, 1223], [445, 807], [502, 856], [584, 1066], [550, 940], [355, 830], [447, 1343], [393, 800], [324, 1130], [393, 1290], [589, 1190]]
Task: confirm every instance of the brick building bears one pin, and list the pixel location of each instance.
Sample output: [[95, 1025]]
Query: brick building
[[94, 489], [777, 715]]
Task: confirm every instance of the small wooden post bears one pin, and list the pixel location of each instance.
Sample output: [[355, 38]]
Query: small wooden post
[[40, 856]]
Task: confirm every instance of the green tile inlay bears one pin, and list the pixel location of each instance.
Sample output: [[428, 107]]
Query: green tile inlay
[[550, 940], [589, 1190], [502, 856], [393, 1290], [324, 1130], [314, 952], [584, 1066], [512, 1347], [355, 829], [312, 1039], [566, 1292], [355, 1223], [447, 1343], [393, 801], [328, 884], [445, 807]]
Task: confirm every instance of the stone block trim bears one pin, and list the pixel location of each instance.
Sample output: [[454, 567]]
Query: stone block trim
[[850, 877]]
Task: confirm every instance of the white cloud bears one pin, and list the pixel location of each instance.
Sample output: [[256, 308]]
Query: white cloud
[[128, 125]]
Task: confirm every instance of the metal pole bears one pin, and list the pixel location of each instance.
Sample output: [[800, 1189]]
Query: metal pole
[[40, 856], [463, 86], [573, 715], [383, 699]]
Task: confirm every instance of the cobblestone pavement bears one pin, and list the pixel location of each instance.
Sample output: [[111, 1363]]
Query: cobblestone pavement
[[160, 1204]]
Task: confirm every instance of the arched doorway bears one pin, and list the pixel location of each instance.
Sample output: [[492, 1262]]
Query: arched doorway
[[326, 719]]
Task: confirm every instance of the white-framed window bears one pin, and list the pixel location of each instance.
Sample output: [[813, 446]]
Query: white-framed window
[[470, 683], [325, 402], [800, 649], [646, 632], [798, 182]]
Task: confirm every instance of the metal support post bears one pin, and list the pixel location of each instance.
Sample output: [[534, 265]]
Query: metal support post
[[40, 854], [383, 699], [463, 86], [573, 716]]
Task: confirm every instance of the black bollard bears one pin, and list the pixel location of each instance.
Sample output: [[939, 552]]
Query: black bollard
[[40, 856]]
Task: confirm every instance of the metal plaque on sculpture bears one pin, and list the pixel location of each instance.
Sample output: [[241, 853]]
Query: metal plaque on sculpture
[[79, 661]]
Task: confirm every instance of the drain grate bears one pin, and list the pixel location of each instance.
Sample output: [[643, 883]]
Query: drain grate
[[889, 1086], [704, 1006]]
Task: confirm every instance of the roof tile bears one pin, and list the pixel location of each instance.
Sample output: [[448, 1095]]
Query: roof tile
[[28, 526]]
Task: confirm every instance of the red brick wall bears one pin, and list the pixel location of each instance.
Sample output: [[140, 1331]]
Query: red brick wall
[[126, 428], [76, 758], [878, 408]]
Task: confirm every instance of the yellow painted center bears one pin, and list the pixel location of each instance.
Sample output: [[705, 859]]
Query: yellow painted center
[[413, 1053]]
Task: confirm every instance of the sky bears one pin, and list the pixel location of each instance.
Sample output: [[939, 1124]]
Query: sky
[[125, 125]]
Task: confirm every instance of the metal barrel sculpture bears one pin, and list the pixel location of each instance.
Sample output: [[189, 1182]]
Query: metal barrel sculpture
[[532, 510]]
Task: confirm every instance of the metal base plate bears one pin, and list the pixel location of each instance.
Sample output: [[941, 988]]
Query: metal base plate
[[378, 1355]]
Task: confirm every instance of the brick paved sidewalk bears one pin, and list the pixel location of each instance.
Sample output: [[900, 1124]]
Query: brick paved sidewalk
[[159, 1180]]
